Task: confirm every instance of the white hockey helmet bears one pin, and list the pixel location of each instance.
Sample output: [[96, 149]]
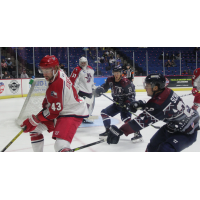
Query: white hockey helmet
[[83, 60]]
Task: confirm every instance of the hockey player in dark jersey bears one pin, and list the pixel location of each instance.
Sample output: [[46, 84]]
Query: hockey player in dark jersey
[[182, 122], [123, 92]]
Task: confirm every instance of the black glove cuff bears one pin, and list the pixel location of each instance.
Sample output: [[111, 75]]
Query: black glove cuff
[[114, 130]]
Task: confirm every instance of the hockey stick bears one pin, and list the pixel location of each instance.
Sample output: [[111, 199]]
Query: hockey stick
[[87, 145], [13, 139], [157, 127], [186, 95]]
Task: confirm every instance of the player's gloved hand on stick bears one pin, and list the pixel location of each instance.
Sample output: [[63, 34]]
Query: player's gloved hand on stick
[[195, 91], [114, 135], [99, 91], [30, 123], [135, 105]]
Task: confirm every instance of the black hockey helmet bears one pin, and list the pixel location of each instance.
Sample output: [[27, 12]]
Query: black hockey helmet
[[156, 80], [117, 68]]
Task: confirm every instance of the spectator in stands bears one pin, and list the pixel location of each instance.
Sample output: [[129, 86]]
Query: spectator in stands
[[9, 62], [189, 72], [3, 65], [24, 74], [92, 56], [118, 59], [111, 61], [7, 75], [105, 55], [173, 57], [184, 72], [166, 56], [173, 63], [168, 64], [111, 53], [102, 59], [178, 56], [160, 56]]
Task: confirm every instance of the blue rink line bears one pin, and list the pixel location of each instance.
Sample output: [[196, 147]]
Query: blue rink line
[[99, 122]]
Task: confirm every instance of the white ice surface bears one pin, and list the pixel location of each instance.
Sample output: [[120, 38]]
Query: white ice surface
[[10, 108]]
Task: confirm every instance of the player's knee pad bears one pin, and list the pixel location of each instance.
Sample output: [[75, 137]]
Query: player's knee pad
[[166, 147], [61, 145]]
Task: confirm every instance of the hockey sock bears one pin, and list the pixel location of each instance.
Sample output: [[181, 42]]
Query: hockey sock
[[37, 141], [106, 120]]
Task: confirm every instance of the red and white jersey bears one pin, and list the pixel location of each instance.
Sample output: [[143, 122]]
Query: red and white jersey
[[196, 79], [83, 79], [62, 100]]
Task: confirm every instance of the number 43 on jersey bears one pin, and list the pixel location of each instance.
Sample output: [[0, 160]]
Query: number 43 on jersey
[[56, 106]]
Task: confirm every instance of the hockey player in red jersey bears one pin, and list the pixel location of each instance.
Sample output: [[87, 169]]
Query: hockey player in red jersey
[[182, 122], [61, 104], [196, 88], [82, 78]]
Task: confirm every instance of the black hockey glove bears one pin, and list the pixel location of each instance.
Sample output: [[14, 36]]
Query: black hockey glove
[[135, 105], [114, 135], [99, 91]]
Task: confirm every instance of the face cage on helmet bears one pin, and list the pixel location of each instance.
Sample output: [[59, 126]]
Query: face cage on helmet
[[152, 85], [83, 62], [145, 83], [117, 71], [41, 70]]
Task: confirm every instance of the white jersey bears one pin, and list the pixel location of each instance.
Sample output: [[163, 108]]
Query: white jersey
[[62, 99], [83, 79]]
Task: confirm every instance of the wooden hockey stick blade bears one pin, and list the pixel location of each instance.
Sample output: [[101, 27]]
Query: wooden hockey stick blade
[[87, 145], [13, 140]]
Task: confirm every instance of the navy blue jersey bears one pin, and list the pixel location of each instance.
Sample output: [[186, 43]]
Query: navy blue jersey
[[168, 107], [122, 92]]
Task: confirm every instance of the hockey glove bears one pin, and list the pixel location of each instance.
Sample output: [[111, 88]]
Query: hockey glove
[[135, 105], [99, 91], [114, 135], [195, 92], [30, 123]]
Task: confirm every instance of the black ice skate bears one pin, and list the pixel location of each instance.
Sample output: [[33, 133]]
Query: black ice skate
[[137, 137], [104, 135]]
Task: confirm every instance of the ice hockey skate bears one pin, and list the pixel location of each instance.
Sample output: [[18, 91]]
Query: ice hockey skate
[[137, 137], [104, 135], [88, 121]]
